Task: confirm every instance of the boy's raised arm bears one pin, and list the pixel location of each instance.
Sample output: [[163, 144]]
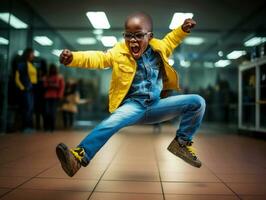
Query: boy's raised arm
[[86, 59], [175, 37]]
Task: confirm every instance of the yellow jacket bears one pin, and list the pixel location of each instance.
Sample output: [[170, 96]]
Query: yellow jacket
[[31, 73], [124, 66]]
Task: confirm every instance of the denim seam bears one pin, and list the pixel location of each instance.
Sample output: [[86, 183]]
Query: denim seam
[[194, 119]]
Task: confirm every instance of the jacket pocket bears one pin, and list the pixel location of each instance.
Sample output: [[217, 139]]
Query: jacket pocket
[[125, 74], [125, 69]]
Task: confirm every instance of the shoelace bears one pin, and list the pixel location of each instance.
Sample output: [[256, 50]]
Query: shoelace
[[78, 153], [191, 150]]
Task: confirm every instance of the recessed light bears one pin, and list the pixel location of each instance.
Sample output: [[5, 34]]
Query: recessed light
[[13, 20], [86, 41], [178, 19], [43, 40], [193, 40], [109, 41], [236, 54], [98, 20], [222, 63]]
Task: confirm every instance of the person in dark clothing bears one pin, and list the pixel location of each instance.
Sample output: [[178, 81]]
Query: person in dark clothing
[[54, 90], [26, 78], [39, 91]]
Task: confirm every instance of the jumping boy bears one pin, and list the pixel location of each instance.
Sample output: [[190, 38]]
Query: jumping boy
[[140, 75]]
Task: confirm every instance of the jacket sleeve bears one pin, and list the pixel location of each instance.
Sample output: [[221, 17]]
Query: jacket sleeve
[[173, 39], [92, 59], [18, 82]]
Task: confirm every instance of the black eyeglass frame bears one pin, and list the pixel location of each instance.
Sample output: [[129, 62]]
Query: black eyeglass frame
[[135, 35]]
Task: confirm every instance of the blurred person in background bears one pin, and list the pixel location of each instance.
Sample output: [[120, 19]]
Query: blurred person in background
[[70, 103], [54, 91], [39, 90], [26, 78]]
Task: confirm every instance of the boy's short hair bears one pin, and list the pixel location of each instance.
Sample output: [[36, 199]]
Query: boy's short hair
[[144, 16]]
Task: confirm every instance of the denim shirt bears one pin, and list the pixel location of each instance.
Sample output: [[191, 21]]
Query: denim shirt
[[147, 84]]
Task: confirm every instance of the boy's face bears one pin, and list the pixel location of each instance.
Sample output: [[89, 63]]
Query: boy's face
[[137, 36]]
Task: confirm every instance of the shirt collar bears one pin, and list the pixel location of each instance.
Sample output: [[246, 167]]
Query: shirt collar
[[148, 51]]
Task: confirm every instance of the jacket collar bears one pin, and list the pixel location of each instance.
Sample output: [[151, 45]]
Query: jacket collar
[[123, 48]]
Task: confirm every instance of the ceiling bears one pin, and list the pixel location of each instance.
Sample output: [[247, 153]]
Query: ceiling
[[224, 24]]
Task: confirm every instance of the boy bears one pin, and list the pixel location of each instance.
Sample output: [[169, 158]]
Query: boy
[[141, 73]]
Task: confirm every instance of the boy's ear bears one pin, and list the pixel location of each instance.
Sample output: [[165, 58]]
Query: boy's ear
[[151, 35]]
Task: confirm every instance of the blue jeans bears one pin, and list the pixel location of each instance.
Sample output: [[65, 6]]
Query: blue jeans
[[50, 114], [190, 107], [27, 109]]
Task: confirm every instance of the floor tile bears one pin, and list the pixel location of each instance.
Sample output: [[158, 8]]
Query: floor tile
[[248, 188], [237, 168], [33, 163], [129, 187], [11, 182], [133, 175], [253, 197], [200, 197], [188, 177], [178, 165], [195, 188], [133, 160], [243, 178], [25, 194], [83, 173], [125, 196], [19, 171], [3, 191], [133, 166], [60, 184]]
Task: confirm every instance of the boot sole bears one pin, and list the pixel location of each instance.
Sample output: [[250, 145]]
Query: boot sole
[[62, 153], [174, 151]]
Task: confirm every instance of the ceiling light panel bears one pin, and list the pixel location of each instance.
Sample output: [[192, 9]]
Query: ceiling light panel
[[236, 54], [86, 41], [43, 40], [222, 63], [13, 20], [4, 41], [255, 41], [98, 20], [57, 52], [178, 19], [109, 41], [193, 40]]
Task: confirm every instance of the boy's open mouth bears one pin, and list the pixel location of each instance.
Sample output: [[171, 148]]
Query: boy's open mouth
[[135, 49]]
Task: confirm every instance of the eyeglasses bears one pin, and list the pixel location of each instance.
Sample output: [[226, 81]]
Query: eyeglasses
[[137, 35]]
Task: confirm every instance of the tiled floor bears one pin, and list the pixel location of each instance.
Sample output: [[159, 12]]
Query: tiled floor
[[134, 165]]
